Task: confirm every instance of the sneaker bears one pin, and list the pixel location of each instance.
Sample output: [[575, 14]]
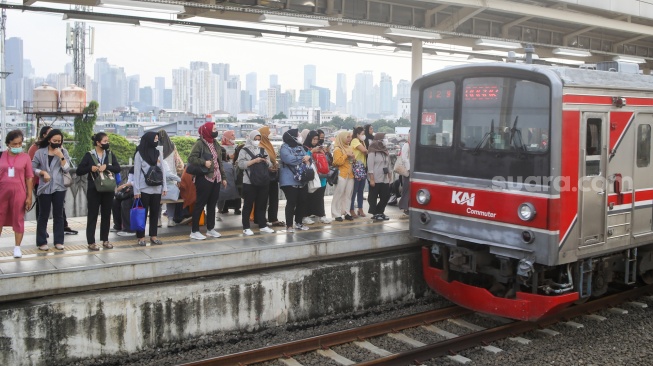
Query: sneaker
[[301, 227], [349, 217], [114, 229], [266, 230], [17, 252], [339, 219], [307, 221], [290, 229], [171, 222], [197, 236], [325, 220], [248, 232], [126, 233], [384, 217], [69, 231], [213, 233], [377, 217]]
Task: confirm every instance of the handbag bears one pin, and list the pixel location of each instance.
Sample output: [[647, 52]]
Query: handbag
[[104, 181], [194, 169], [359, 170], [332, 177], [400, 168], [315, 184], [67, 179], [137, 216]]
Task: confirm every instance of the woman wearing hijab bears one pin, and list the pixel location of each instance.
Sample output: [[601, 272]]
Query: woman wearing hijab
[[228, 141], [378, 172], [292, 154], [254, 195], [207, 153], [360, 155], [147, 155], [343, 156], [315, 202], [176, 165], [273, 191]]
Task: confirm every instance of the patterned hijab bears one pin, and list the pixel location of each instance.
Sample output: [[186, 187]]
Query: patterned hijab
[[266, 144], [377, 144], [341, 142]]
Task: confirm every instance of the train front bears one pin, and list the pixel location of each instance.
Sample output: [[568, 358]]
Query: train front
[[485, 166]]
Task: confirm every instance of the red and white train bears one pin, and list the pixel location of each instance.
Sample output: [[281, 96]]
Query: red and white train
[[533, 184]]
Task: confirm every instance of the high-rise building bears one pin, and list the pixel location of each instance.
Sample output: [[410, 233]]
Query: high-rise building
[[272, 102], [386, 105], [263, 103], [134, 82], [403, 89], [181, 89], [362, 97], [145, 96], [204, 88], [310, 76], [159, 87], [167, 99], [233, 95], [341, 93], [309, 98], [245, 101], [252, 88], [324, 97], [222, 70], [14, 83], [111, 84], [274, 81]]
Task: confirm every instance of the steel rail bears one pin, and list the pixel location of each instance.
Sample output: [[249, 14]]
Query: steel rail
[[331, 339], [458, 344]]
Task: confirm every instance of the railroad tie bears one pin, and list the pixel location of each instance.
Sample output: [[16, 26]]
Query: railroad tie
[[329, 353], [372, 348], [290, 361]]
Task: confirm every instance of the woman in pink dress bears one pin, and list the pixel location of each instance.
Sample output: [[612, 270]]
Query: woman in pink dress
[[15, 183]]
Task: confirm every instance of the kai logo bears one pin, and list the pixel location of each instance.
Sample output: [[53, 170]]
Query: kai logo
[[463, 198]]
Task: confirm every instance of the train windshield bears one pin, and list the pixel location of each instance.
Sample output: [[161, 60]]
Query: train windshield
[[484, 127]]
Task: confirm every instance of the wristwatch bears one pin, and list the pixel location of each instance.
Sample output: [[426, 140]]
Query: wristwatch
[[62, 159]]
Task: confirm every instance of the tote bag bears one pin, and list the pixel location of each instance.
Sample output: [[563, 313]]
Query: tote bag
[[137, 216], [314, 184]]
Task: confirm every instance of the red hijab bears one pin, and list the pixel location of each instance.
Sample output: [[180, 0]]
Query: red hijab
[[206, 130]]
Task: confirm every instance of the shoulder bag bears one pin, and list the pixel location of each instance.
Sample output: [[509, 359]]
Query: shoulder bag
[[104, 181], [400, 168]]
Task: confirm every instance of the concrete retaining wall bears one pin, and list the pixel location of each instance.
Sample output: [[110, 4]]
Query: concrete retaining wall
[[54, 330]]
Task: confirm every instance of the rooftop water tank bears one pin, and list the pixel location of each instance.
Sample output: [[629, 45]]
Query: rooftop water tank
[[73, 99], [45, 99]]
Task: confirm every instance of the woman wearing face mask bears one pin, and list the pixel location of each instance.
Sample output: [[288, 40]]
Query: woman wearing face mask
[[315, 203], [292, 154], [378, 166], [343, 156], [360, 155], [147, 155], [273, 191], [16, 185], [50, 163], [207, 153], [99, 159]]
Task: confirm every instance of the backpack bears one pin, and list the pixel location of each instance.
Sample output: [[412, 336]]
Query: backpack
[[303, 173], [359, 170], [321, 163], [154, 176], [259, 174]]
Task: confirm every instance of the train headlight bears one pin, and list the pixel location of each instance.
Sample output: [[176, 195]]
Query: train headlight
[[423, 196], [526, 211]]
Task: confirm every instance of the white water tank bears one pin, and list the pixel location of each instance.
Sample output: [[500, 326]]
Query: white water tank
[[73, 99], [45, 99]]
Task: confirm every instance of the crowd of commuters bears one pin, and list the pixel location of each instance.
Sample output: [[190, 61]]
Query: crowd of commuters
[[218, 174]]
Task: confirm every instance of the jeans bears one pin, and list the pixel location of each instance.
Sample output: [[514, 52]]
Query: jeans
[[46, 202], [359, 187]]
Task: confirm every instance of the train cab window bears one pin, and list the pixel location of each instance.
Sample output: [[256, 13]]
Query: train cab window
[[593, 137], [643, 146], [436, 120]]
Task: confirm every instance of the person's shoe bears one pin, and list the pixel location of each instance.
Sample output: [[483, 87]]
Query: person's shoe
[[307, 221], [197, 236], [237, 212], [339, 219], [361, 213], [349, 217], [393, 200], [159, 223], [142, 242], [376, 217], [125, 233], [386, 218], [213, 233], [107, 245], [59, 247], [185, 220], [93, 247], [266, 230], [44, 247], [114, 229], [248, 232], [155, 241], [290, 230], [17, 252], [300, 226], [171, 222], [223, 211], [67, 230], [352, 214], [325, 220]]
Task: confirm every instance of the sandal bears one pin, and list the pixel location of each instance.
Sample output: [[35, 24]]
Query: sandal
[[361, 213], [44, 247], [155, 241], [59, 246], [93, 247], [107, 245]]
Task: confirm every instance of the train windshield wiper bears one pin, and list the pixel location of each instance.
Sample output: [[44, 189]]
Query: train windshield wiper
[[515, 134], [489, 134]]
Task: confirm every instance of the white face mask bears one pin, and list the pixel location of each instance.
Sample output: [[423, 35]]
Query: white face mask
[[256, 143], [362, 137]]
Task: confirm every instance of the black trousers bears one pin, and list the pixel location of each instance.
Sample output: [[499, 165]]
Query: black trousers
[[102, 202], [295, 203], [254, 197], [65, 221], [273, 201], [52, 201], [382, 192], [315, 203], [207, 195], [152, 204], [121, 214]]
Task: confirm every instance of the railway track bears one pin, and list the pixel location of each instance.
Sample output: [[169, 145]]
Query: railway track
[[420, 352]]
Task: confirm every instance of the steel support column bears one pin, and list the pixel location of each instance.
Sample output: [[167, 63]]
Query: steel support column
[[417, 59]]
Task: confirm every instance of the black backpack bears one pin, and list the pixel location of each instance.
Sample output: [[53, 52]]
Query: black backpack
[[154, 175], [259, 174]]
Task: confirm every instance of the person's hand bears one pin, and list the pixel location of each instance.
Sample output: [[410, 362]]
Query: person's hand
[[350, 155], [306, 158], [95, 168], [164, 193], [46, 177], [28, 203], [58, 152], [372, 184], [102, 168], [137, 196], [207, 163], [224, 183]]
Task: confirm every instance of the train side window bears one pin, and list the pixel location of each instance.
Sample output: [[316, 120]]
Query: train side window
[[436, 121], [593, 137], [643, 146]]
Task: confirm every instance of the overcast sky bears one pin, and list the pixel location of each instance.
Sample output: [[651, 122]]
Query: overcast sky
[[154, 52]]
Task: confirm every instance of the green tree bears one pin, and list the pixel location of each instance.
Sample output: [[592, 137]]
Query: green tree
[[184, 145], [386, 129], [308, 126], [279, 115], [337, 122], [403, 122], [84, 131], [122, 148]]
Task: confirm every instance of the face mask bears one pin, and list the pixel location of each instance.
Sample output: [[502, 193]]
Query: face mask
[[214, 134], [320, 142], [256, 143], [233, 142], [105, 146], [362, 137], [16, 150], [55, 146]]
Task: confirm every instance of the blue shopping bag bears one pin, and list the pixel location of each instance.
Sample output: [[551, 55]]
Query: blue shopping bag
[[137, 216]]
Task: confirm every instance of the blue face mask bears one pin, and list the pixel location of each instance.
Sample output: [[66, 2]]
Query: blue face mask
[[16, 150]]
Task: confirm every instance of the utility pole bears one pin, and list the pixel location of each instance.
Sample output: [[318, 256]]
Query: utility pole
[[3, 73]]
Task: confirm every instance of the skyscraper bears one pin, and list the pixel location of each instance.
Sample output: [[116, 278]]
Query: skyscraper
[[310, 76], [134, 82], [309, 98], [181, 89], [341, 93], [272, 102], [252, 88], [14, 64], [159, 87], [112, 85], [386, 106], [324, 97], [403, 89], [145, 96], [222, 70], [362, 97], [233, 95], [274, 81]]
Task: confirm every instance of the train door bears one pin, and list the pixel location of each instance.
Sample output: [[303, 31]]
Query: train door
[[642, 178], [593, 197]]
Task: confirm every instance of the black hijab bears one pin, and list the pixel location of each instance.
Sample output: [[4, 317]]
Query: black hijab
[[290, 137], [147, 148], [168, 145], [308, 143]]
